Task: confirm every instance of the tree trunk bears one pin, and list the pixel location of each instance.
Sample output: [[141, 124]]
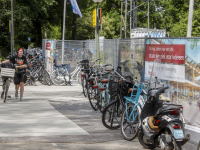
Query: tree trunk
[[38, 28], [74, 25], [61, 7], [45, 33]]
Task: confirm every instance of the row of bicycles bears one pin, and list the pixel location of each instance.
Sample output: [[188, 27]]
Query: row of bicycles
[[36, 70], [139, 109]]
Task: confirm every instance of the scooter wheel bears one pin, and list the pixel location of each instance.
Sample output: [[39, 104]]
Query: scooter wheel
[[140, 138]]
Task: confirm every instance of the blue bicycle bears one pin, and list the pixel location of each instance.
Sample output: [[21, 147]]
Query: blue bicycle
[[130, 115]]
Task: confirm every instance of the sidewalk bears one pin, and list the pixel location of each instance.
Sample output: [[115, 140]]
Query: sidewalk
[[57, 117]]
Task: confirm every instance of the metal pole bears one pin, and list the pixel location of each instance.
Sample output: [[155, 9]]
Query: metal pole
[[97, 33], [189, 29], [63, 36], [135, 19], [10, 37], [148, 15], [177, 93], [121, 18], [131, 9], [12, 30], [126, 19]]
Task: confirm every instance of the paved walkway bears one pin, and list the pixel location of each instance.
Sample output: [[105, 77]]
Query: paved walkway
[[57, 117]]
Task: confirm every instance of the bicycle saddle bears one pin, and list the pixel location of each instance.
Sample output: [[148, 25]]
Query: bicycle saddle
[[90, 79], [104, 81]]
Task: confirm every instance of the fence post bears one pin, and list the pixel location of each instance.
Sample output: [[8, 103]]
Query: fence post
[[145, 41], [119, 53], [103, 51], [113, 53]]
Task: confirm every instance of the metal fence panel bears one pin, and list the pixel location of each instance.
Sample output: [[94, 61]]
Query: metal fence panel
[[132, 56]]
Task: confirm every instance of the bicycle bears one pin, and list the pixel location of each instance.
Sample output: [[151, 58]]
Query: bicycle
[[60, 76], [36, 70], [6, 74], [111, 116], [130, 115]]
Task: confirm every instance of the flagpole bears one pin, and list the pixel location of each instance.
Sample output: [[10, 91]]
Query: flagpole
[[63, 35]]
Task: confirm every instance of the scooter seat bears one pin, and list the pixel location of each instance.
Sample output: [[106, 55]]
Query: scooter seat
[[167, 108]]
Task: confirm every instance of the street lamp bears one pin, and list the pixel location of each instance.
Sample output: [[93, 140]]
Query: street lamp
[[97, 29]]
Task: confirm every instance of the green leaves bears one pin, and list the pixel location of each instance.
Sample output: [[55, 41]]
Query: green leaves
[[37, 18]]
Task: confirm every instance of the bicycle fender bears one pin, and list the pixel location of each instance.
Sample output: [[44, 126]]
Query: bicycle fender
[[139, 111]]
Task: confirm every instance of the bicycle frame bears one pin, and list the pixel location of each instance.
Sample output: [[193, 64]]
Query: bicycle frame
[[137, 100]]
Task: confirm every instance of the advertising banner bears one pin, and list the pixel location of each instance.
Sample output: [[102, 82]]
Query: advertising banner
[[168, 53], [166, 71], [185, 56]]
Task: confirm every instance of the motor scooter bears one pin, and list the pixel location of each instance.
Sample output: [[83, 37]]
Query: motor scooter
[[161, 124]]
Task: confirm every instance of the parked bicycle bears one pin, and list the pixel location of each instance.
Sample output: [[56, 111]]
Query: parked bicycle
[[7, 72], [60, 76]]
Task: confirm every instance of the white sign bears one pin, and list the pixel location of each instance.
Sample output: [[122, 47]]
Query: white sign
[[148, 32], [165, 71]]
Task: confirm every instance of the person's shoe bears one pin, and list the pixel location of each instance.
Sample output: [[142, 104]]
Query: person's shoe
[[2, 95], [16, 95], [21, 98]]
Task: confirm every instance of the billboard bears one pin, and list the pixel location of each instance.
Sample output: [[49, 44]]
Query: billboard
[[168, 53]]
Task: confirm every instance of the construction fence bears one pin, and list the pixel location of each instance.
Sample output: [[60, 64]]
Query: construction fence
[[131, 55]]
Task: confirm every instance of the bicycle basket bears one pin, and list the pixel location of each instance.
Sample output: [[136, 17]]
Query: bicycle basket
[[125, 87], [113, 86], [84, 63], [7, 72]]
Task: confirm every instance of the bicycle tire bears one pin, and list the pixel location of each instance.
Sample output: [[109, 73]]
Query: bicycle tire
[[111, 116], [47, 78], [101, 108], [84, 85], [133, 129], [7, 84], [40, 77], [56, 77], [92, 96]]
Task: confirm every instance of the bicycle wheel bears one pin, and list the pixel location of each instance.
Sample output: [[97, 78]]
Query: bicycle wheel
[[41, 77], [102, 102], [129, 122], [112, 113], [47, 78], [92, 96], [57, 77], [7, 84], [84, 85]]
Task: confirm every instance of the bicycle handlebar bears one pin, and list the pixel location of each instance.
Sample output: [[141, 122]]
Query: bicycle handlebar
[[119, 75]]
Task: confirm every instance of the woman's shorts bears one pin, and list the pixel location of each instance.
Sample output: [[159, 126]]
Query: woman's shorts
[[19, 77]]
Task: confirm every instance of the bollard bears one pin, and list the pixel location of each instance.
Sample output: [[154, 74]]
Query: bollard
[[198, 146]]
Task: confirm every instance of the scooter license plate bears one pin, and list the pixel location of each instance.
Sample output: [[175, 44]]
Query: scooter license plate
[[178, 134]]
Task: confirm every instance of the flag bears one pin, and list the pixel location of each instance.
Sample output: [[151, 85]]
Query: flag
[[75, 8]]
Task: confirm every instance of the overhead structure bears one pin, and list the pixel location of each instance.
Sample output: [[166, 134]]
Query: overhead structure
[[130, 9]]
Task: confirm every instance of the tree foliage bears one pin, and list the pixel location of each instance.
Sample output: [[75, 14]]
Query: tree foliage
[[40, 19]]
